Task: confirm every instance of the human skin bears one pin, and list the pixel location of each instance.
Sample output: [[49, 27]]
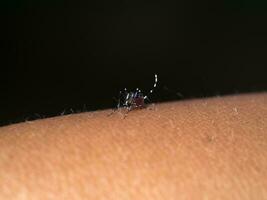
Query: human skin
[[213, 148]]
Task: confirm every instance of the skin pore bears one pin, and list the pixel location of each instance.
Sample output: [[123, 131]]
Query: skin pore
[[212, 148]]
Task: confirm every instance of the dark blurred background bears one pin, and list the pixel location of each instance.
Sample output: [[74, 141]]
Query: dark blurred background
[[72, 56]]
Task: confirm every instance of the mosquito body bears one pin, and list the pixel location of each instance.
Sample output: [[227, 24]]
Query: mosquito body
[[134, 100]]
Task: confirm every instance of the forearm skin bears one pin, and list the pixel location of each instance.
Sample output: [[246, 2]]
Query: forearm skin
[[199, 149]]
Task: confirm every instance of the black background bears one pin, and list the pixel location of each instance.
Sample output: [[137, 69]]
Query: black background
[[74, 56]]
